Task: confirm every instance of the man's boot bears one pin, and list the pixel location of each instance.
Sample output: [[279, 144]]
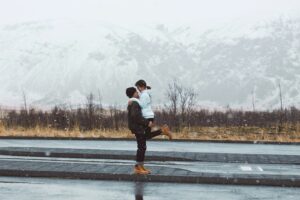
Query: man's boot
[[145, 169], [138, 169]]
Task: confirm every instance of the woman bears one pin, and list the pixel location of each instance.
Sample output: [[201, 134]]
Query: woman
[[146, 105]]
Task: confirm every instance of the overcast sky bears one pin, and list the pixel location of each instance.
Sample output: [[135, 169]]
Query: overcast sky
[[146, 11]]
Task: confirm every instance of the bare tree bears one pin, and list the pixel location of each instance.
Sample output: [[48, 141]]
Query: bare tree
[[187, 102], [90, 111], [90, 102], [24, 101], [114, 117], [182, 101], [100, 101], [173, 97], [253, 100], [281, 108], [280, 96], [192, 96]]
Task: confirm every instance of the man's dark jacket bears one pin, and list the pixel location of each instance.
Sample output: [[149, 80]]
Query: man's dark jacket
[[136, 122]]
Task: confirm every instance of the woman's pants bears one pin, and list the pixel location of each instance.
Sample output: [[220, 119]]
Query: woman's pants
[[141, 143], [148, 129]]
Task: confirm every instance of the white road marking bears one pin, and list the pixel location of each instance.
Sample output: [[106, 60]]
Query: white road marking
[[246, 168], [260, 169]]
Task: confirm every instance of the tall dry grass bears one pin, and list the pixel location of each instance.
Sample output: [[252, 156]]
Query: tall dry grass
[[240, 134], [199, 133]]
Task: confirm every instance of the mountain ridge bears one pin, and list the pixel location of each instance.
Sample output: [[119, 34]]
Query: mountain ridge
[[61, 62]]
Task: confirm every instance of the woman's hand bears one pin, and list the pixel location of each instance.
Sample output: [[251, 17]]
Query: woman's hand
[[151, 124]]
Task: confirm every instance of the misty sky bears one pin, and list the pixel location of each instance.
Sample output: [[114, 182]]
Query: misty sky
[[146, 11]]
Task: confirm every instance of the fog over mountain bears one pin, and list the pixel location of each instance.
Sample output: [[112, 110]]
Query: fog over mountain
[[62, 61]]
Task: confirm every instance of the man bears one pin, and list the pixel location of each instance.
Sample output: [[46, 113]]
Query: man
[[137, 124]]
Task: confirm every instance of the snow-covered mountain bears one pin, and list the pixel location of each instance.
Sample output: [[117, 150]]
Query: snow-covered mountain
[[57, 62]]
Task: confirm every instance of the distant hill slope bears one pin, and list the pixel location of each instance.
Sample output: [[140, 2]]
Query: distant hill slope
[[56, 62]]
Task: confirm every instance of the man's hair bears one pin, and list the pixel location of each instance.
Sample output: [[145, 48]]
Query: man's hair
[[130, 92]]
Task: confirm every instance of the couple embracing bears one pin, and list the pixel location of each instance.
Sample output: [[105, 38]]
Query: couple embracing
[[141, 122]]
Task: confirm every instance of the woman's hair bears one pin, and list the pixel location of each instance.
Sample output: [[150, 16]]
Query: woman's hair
[[142, 83]]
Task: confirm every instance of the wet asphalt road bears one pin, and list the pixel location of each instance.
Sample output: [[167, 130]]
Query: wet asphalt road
[[159, 146], [12, 188], [50, 189]]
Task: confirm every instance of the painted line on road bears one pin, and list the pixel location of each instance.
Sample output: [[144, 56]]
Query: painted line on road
[[246, 168], [260, 169]]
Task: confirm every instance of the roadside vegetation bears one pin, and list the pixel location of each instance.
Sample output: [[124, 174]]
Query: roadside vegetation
[[180, 113]]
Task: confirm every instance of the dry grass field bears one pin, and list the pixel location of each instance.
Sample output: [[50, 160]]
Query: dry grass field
[[200, 133]]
